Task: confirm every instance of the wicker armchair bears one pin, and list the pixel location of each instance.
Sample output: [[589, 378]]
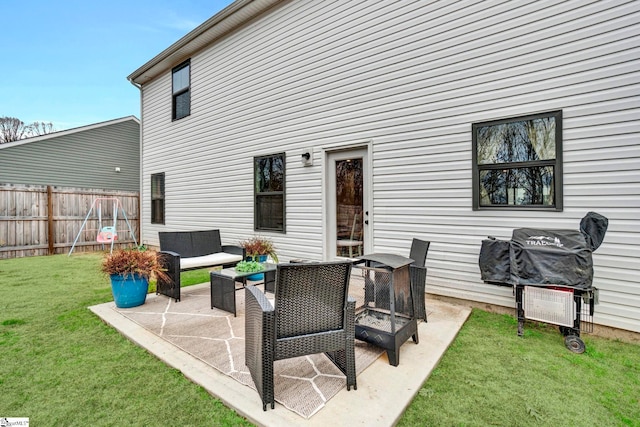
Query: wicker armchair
[[312, 313], [418, 273]]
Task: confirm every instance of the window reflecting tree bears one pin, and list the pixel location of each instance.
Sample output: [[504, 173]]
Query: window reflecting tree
[[269, 181], [516, 161]]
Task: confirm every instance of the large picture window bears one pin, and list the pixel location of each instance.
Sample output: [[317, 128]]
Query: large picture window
[[517, 163], [269, 185], [157, 198], [181, 90]]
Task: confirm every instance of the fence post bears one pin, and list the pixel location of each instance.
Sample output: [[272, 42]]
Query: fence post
[[50, 230], [139, 230]]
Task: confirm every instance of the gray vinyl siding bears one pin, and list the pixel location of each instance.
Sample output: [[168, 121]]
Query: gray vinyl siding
[[81, 157], [411, 78]]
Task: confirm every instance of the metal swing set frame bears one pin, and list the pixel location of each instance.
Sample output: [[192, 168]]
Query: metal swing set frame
[[107, 233]]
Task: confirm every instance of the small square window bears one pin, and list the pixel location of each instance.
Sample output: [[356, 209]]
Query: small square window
[[517, 163]]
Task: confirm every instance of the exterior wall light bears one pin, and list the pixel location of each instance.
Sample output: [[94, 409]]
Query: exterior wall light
[[307, 157]]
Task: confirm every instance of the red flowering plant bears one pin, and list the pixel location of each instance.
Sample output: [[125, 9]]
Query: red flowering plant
[[256, 246], [130, 262]]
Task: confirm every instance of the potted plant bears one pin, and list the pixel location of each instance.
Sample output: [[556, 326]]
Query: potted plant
[[259, 248], [130, 271], [249, 267]]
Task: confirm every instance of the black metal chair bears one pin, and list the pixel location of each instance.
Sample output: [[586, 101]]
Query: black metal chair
[[418, 273], [312, 313]]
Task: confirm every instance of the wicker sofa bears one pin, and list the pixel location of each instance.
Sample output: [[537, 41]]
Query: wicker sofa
[[189, 250]]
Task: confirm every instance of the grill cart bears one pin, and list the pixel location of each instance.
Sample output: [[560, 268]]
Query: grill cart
[[571, 308], [387, 317], [551, 272]]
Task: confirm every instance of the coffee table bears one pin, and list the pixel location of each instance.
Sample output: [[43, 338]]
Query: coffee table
[[223, 285]]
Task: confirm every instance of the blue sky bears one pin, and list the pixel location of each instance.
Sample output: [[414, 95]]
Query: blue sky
[[67, 61]]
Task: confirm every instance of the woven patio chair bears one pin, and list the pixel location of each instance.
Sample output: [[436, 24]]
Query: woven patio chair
[[312, 313], [418, 274]]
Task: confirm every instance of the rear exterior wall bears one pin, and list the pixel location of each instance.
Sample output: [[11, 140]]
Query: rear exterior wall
[[410, 78]]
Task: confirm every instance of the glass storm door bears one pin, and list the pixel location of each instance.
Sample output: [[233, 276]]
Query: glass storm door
[[347, 201]]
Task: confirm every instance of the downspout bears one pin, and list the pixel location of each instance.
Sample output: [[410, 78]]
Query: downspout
[[140, 234]]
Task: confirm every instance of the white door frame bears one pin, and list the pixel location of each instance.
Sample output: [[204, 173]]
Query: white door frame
[[331, 153]]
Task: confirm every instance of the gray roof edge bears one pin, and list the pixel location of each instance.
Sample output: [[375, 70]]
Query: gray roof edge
[[69, 131], [228, 19]]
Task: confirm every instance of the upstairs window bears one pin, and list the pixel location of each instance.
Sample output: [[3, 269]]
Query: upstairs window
[[181, 89], [269, 179], [157, 198], [517, 163]]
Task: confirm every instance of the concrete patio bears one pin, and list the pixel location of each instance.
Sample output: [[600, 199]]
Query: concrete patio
[[383, 391]]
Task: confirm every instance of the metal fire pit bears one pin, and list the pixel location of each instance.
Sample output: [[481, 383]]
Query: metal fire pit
[[386, 319]]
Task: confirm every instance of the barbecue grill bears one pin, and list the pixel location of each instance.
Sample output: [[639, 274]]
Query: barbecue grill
[[551, 271]]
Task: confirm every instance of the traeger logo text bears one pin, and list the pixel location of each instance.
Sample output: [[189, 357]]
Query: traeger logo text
[[544, 241]]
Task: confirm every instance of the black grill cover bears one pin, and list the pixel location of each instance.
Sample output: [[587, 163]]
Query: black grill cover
[[594, 226], [495, 264], [557, 257], [544, 257]]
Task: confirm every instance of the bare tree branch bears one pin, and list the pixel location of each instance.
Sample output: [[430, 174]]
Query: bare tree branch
[[13, 129], [40, 128]]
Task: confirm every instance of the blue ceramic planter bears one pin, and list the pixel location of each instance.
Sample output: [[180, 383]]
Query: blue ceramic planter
[[258, 276], [129, 291]]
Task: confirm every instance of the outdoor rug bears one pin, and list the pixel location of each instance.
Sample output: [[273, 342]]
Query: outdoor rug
[[303, 384]]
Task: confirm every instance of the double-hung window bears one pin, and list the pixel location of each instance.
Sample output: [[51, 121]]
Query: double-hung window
[[269, 196], [157, 198], [181, 90], [517, 163]]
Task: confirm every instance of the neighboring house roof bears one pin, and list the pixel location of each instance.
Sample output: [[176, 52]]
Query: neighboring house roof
[[68, 132], [225, 21]]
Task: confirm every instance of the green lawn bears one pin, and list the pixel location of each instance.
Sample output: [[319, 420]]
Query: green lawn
[[61, 366]]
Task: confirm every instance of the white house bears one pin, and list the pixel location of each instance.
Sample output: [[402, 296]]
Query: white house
[[447, 121]]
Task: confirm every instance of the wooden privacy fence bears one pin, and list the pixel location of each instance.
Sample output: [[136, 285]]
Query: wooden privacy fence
[[43, 220]]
